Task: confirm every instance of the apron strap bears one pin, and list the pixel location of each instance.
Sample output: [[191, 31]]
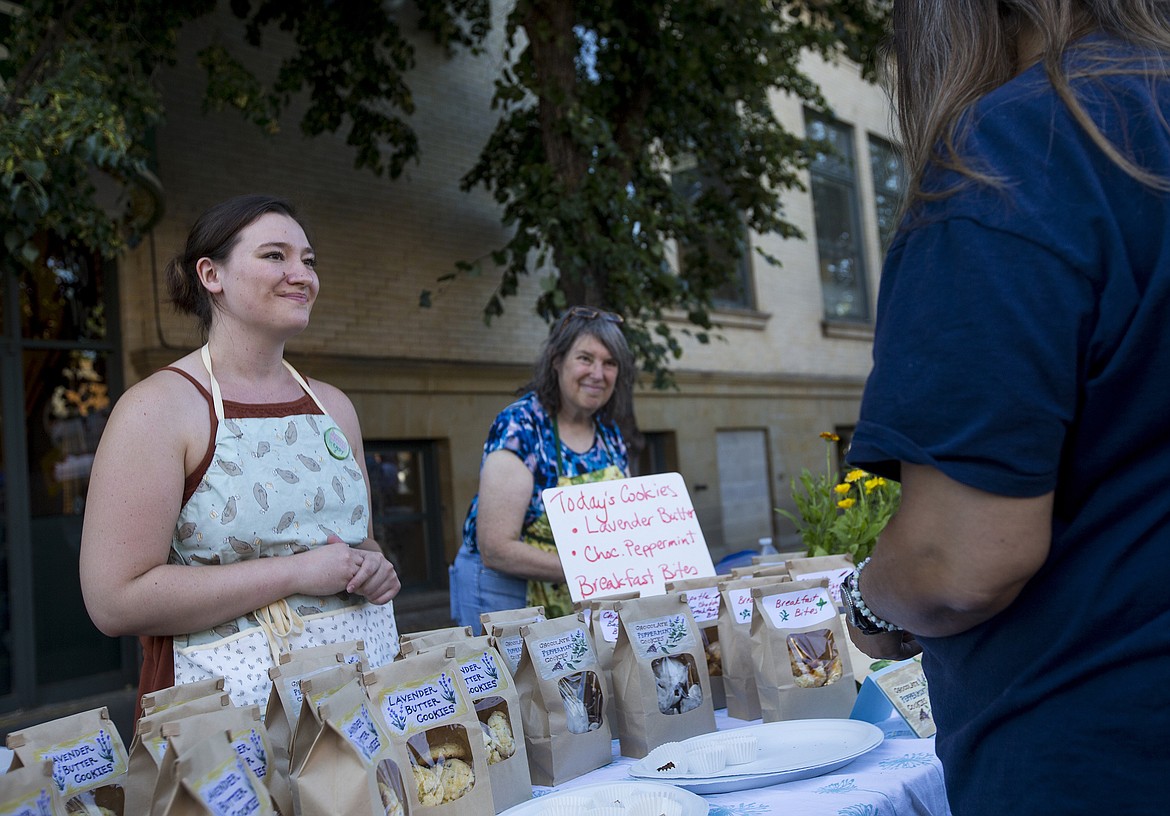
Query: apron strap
[[279, 621], [217, 396]]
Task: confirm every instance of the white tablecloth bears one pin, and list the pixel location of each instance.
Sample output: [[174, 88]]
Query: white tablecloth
[[900, 776]]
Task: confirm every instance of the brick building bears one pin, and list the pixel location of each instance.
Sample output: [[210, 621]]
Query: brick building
[[426, 383]]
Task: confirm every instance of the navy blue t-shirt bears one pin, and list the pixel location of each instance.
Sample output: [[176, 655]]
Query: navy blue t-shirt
[[1022, 347]]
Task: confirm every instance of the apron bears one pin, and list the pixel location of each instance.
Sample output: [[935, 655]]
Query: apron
[[554, 597], [275, 486]]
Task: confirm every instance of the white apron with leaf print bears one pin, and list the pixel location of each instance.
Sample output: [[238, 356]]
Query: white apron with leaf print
[[275, 486]]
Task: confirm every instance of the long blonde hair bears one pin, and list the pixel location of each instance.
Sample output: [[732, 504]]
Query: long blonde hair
[[947, 54]]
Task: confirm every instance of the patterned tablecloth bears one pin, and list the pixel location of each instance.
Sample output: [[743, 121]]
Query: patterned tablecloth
[[900, 776]]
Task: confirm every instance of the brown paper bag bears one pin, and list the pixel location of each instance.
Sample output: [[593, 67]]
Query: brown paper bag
[[285, 698], [149, 746], [315, 689], [509, 642], [660, 675], [435, 637], [491, 689], [705, 601], [165, 698], [758, 571], [562, 701], [435, 735], [89, 759], [30, 792], [602, 617], [527, 614], [734, 627], [802, 665], [349, 769], [213, 781], [248, 736], [832, 568]]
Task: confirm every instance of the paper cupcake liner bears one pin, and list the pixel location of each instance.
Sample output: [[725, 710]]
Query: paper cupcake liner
[[740, 750], [667, 760], [567, 806], [655, 804], [707, 759]]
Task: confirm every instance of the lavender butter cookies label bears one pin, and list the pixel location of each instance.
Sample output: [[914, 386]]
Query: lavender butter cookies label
[[85, 763], [482, 676], [660, 636], [422, 705], [229, 789], [570, 651], [361, 729]]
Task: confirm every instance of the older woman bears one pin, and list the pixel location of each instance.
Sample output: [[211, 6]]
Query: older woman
[[228, 515], [565, 429]]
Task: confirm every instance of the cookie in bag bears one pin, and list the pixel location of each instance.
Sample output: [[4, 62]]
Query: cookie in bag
[[703, 597], [562, 693], [435, 736], [492, 691], [659, 675], [89, 759], [349, 769], [802, 664], [213, 780]]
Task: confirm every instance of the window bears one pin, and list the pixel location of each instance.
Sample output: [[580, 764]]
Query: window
[[836, 215], [405, 508], [737, 291], [659, 454], [889, 186]]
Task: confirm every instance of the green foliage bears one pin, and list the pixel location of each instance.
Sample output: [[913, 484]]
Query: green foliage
[[599, 97], [845, 516]]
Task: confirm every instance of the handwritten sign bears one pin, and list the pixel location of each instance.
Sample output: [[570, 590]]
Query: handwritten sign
[[627, 534]]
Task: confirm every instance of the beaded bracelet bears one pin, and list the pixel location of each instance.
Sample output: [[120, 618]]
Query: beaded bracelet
[[862, 609]]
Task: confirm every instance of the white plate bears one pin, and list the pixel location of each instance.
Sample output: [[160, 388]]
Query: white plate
[[692, 805], [789, 750]]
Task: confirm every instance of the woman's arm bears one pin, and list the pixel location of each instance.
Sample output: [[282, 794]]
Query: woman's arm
[[505, 489], [952, 556], [376, 578], [136, 490]]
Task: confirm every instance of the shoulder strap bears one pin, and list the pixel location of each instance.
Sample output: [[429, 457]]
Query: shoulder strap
[[217, 397]]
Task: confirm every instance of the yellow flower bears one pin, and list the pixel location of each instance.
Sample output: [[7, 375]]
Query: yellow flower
[[830, 437], [876, 481], [854, 475], [845, 504], [842, 489]]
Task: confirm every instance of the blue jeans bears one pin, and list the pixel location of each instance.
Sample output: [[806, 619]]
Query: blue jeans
[[476, 589]]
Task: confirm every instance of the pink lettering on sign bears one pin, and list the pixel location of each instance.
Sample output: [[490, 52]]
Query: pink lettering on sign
[[589, 586]]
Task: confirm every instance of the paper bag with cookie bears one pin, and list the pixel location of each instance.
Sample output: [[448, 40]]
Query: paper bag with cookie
[[315, 689], [149, 745], [435, 736], [833, 568], [735, 643], [435, 637], [285, 700], [562, 697], [659, 675], [89, 760], [802, 666], [705, 601], [602, 618], [213, 780], [349, 769], [491, 689], [249, 739]]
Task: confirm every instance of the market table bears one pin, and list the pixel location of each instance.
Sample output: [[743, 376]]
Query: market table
[[900, 776]]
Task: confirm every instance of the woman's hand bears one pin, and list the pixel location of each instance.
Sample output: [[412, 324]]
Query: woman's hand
[[376, 577]]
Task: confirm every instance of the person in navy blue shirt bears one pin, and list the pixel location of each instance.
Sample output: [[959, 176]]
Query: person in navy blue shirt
[[1020, 391]]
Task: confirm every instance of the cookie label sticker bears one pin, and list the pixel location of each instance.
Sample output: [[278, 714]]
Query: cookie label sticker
[[336, 443]]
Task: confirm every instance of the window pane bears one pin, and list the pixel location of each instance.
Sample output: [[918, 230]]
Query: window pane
[[66, 407], [63, 298], [404, 514], [737, 290], [836, 217], [889, 185]]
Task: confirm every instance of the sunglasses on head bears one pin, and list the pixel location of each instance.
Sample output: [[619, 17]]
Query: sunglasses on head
[[589, 313]]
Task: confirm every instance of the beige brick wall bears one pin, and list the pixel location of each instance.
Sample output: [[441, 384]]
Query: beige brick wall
[[440, 373]]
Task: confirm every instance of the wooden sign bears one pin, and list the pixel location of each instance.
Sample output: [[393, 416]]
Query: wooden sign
[[627, 535]]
